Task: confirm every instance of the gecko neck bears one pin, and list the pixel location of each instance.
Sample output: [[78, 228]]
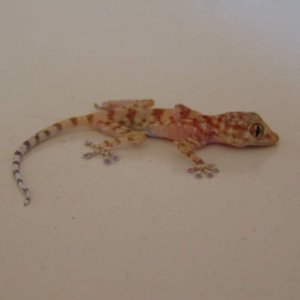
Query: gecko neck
[[216, 129]]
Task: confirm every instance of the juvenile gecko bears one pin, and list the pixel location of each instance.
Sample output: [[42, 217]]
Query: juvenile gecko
[[132, 121]]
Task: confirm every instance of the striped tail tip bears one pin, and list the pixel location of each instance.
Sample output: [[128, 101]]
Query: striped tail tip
[[27, 198], [17, 174]]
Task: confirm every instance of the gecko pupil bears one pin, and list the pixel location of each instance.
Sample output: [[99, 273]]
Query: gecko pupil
[[257, 131]]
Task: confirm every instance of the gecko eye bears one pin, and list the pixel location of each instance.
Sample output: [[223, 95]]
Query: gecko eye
[[257, 130]]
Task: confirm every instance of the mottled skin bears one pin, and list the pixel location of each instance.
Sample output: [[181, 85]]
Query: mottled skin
[[132, 121]]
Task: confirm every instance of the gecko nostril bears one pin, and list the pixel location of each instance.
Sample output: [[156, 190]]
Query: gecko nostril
[[273, 137]]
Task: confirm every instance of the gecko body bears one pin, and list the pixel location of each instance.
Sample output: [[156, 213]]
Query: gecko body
[[132, 121]]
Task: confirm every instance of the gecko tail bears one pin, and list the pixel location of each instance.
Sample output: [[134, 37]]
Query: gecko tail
[[35, 140], [17, 173]]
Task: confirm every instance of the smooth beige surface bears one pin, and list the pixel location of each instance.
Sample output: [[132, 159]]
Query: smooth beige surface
[[143, 228]]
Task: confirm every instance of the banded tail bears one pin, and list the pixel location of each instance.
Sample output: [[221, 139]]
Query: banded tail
[[41, 136]]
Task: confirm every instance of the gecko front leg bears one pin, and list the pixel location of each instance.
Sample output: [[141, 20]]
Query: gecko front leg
[[188, 147]]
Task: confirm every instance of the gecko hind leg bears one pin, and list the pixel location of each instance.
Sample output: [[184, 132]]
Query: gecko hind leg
[[187, 147], [106, 147]]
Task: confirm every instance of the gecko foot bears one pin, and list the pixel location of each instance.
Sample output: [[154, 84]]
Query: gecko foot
[[108, 156], [106, 152], [200, 170], [100, 106]]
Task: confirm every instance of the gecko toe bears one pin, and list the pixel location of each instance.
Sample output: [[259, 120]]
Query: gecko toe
[[107, 161], [111, 158], [190, 170], [209, 174], [199, 175], [88, 143], [88, 155], [115, 157], [213, 168], [27, 201]]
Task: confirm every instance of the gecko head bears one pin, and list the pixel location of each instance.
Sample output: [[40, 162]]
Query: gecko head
[[244, 129]]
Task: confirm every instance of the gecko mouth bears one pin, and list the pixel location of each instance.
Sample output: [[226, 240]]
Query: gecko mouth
[[270, 139], [274, 138]]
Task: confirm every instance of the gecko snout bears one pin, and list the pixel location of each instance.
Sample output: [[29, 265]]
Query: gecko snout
[[275, 137], [272, 138]]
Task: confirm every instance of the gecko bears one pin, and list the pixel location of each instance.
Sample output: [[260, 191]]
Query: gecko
[[130, 122]]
